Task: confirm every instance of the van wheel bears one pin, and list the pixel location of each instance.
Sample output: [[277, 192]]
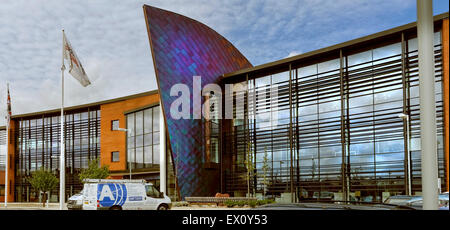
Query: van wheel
[[163, 207], [115, 208]]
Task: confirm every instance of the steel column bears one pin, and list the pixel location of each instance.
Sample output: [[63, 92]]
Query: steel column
[[425, 35]]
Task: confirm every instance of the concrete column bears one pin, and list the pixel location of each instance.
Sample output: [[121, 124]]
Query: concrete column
[[162, 152], [425, 34]]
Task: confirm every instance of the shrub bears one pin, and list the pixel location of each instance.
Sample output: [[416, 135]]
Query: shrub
[[240, 203], [229, 203], [253, 203], [264, 202]]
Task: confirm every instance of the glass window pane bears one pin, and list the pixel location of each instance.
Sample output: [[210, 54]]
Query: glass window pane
[[130, 142], [412, 44], [131, 155], [139, 141], [156, 118], [307, 71], [139, 157], [147, 139], [115, 156], [139, 123], [359, 58], [148, 120], [387, 51], [148, 154], [280, 77], [329, 65], [130, 124], [115, 125], [155, 154], [156, 138]]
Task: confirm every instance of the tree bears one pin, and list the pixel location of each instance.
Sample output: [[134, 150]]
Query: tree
[[249, 165], [43, 181], [94, 171]]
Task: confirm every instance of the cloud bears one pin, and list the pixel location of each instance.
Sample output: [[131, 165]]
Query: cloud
[[110, 37], [293, 53]]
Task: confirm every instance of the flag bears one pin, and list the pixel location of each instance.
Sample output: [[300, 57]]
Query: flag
[[76, 69], [8, 102]]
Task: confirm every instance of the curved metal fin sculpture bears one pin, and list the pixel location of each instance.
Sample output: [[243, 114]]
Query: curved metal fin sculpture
[[182, 48]]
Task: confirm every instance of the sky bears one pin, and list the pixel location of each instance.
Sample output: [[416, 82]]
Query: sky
[[110, 37]]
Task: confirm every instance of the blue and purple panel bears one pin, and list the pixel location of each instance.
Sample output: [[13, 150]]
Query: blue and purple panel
[[183, 48]]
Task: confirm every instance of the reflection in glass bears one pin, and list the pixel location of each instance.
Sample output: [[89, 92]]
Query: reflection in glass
[[143, 136]]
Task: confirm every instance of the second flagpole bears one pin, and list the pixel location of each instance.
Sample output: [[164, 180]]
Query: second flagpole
[[62, 167], [7, 149]]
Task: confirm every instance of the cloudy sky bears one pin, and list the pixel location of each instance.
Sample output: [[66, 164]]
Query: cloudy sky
[[110, 37]]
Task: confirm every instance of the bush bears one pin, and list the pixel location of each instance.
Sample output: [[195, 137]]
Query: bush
[[241, 203], [253, 203], [264, 202], [229, 203]]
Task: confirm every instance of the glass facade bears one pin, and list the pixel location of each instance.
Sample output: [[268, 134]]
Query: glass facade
[[38, 145], [143, 138], [334, 127], [2, 149]]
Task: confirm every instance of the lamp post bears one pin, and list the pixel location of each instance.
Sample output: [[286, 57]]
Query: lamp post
[[126, 135], [405, 117]]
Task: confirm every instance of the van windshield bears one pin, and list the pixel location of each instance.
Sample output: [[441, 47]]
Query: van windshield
[[152, 192]]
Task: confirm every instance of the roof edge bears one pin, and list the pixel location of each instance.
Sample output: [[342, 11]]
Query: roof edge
[[333, 47], [87, 105]]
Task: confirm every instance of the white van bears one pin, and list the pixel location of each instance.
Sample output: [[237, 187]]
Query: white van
[[122, 195]]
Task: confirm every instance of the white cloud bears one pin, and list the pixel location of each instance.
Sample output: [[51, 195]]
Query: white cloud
[[293, 53], [111, 39]]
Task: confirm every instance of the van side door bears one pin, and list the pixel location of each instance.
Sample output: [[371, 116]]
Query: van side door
[[135, 198], [153, 197]]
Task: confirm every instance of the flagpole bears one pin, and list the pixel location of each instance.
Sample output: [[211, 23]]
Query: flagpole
[[62, 168], [7, 153]]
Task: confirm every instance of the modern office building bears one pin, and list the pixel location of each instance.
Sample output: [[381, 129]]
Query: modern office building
[[90, 133], [332, 130]]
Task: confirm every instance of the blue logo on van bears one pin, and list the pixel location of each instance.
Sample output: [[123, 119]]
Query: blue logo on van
[[111, 194], [135, 198]]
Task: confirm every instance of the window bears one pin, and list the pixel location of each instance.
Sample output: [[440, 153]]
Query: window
[[152, 192], [214, 150], [38, 145], [143, 138], [115, 157], [115, 125]]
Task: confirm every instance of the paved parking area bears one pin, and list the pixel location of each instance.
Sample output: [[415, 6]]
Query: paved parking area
[[207, 208], [30, 206], [55, 206]]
